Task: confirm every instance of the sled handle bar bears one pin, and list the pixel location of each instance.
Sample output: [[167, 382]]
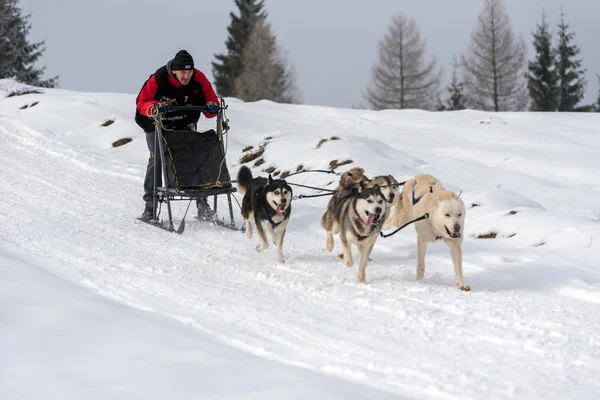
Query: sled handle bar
[[187, 108]]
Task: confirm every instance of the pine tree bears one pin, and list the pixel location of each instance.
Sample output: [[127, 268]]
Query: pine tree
[[542, 79], [456, 98], [494, 67], [571, 80], [266, 73], [229, 66], [17, 55], [401, 78]]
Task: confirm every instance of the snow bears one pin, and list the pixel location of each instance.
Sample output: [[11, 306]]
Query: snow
[[66, 342], [95, 304]]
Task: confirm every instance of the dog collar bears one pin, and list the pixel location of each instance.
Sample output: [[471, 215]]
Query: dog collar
[[358, 236]]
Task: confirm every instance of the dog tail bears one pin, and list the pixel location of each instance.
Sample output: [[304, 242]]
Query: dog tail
[[244, 178]]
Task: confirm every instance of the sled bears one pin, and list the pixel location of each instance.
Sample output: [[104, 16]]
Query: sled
[[193, 165]]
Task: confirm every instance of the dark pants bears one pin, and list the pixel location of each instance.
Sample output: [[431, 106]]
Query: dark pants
[[149, 179]]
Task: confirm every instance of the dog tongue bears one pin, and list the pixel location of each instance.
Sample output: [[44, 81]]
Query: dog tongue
[[370, 219], [279, 208]]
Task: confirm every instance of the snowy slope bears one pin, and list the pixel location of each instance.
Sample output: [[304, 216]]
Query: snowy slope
[[529, 328], [67, 343]]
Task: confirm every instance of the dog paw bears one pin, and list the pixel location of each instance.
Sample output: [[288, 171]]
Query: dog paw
[[420, 273], [347, 263], [260, 247], [281, 261], [463, 287], [361, 279]]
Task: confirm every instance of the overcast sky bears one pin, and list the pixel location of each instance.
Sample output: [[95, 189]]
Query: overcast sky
[[113, 45]]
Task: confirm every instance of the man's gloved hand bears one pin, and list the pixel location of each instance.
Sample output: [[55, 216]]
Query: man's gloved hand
[[212, 107], [161, 108], [225, 126]]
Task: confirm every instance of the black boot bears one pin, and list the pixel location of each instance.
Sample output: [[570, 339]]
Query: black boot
[[148, 214], [204, 211]]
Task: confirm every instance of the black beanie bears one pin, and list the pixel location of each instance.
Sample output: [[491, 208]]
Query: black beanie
[[182, 60]]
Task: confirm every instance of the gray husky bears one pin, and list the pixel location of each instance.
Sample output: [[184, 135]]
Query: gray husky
[[357, 216]]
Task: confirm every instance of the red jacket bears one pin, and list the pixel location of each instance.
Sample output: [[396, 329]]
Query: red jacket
[[163, 84]]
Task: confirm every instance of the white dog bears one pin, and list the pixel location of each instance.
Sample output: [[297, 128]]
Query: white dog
[[424, 194]]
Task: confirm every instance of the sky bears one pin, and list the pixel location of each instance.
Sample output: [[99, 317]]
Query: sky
[[114, 45]]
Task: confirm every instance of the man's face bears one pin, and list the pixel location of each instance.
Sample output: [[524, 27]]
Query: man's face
[[184, 76]]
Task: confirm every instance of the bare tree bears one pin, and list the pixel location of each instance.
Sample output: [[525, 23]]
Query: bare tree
[[267, 73], [494, 68], [401, 78]]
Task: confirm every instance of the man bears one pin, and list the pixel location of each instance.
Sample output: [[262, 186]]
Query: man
[[180, 83]]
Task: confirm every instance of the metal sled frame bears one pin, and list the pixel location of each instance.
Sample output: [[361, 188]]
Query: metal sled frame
[[163, 194]]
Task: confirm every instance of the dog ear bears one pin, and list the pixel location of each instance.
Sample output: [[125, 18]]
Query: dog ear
[[270, 179], [362, 185]]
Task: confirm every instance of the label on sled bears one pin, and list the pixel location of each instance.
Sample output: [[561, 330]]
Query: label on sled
[[194, 159]]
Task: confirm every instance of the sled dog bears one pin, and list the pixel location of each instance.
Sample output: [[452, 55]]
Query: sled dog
[[267, 203], [353, 178], [356, 180], [357, 216], [424, 194]]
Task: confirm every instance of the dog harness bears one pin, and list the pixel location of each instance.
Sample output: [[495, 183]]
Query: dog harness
[[273, 223], [415, 201]]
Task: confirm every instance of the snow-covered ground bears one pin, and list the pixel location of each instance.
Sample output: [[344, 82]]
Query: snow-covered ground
[[96, 304]]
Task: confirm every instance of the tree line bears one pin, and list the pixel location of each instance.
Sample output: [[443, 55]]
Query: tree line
[[492, 73]]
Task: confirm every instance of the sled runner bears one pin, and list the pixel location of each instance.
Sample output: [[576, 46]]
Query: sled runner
[[193, 165]]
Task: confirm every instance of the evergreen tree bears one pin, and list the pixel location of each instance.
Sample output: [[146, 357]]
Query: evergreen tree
[[494, 66], [542, 79], [402, 78], [456, 98], [267, 74], [17, 55], [571, 80], [229, 66]]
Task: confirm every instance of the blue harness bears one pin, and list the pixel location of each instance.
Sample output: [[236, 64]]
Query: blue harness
[[273, 223], [416, 200]]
